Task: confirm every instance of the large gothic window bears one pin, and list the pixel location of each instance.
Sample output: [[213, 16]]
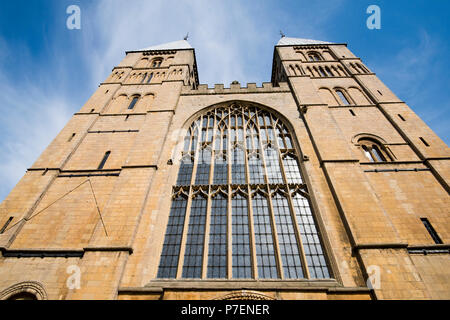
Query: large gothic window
[[240, 208]]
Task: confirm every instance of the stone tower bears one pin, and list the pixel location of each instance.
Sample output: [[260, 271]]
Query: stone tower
[[319, 185]]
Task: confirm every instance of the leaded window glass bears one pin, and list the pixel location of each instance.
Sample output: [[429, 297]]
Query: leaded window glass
[[291, 169], [203, 166], [265, 250], [193, 255], [240, 208], [315, 256], [169, 256], [217, 255], [242, 264], [185, 173], [220, 169], [289, 250], [238, 166]]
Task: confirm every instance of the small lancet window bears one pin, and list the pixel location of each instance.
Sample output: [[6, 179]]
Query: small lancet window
[[143, 78], [431, 231], [6, 225], [424, 141], [150, 76], [133, 103], [71, 137], [103, 162]]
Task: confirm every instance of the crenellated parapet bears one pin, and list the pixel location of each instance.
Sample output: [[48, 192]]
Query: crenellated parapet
[[234, 88]]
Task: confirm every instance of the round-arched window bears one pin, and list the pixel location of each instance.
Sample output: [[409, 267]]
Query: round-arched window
[[374, 151]]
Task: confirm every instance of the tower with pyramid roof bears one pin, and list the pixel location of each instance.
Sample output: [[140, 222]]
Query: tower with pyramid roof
[[321, 184]]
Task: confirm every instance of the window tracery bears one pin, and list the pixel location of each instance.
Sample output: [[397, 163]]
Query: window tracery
[[242, 201]]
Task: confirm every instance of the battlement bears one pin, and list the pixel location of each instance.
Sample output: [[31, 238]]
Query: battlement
[[266, 87]]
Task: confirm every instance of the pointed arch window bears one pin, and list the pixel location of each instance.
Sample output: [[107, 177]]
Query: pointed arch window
[[241, 194]]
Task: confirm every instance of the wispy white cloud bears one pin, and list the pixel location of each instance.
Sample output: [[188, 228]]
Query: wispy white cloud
[[33, 119], [411, 73], [233, 41]]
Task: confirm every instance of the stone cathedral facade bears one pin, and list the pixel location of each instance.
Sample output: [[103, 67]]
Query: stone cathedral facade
[[321, 184]]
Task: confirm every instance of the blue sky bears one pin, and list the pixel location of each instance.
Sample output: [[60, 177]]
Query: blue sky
[[47, 72]]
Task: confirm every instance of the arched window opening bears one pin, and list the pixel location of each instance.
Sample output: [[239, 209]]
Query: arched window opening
[[342, 96], [234, 208], [374, 151], [150, 76], [156, 63], [23, 296], [143, 78], [330, 74], [314, 56], [133, 102]]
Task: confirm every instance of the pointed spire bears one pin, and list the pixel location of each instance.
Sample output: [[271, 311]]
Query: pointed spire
[[186, 37], [282, 34]]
